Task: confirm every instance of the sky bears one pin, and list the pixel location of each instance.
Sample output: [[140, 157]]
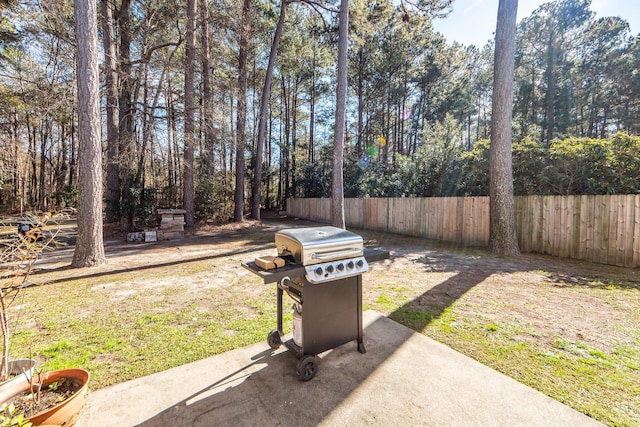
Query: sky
[[474, 21]]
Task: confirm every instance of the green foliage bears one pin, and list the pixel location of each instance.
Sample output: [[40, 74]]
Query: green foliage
[[529, 164], [476, 170], [68, 197], [10, 417], [580, 166], [211, 201], [572, 166], [139, 203], [441, 168]]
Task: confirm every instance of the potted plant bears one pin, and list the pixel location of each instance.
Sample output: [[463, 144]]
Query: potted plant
[[55, 397], [16, 263]]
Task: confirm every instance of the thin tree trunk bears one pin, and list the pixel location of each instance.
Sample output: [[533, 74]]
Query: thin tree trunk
[[73, 161], [89, 249], [125, 116], [337, 191], [112, 212], [44, 135], [207, 102], [285, 144], [312, 108], [549, 107], [502, 227], [256, 188], [238, 213], [359, 145], [188, 192], [294, 136]]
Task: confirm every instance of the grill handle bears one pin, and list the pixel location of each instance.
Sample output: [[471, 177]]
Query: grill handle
[[348, 253], [284, 283]]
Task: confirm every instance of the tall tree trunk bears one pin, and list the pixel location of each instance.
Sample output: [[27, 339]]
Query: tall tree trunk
[[188, 188], [207, 101], [294, 136], [286, 106], [112, 212], [360, 89], [238, 213], [549, 103], [73, 161], [312, 107], [44, 136], [337, 189], [125, 117], [171, 130], [256, 188], [502, 226], [89, 249]]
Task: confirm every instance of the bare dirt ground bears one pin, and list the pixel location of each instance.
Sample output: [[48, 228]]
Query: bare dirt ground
[[555, 297]]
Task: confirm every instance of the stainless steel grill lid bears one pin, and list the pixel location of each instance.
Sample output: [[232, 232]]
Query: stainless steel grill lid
[[316, 245]]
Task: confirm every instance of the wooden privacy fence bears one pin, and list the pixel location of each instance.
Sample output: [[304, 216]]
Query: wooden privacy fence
[[603, 229]]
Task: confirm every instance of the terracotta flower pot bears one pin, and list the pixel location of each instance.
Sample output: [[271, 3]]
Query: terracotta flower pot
[[67, 412]]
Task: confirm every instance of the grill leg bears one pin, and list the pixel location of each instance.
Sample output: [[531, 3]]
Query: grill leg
[[361, 348], [279, 299]]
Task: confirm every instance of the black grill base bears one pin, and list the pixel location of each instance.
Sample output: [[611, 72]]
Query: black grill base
[[331, 314]]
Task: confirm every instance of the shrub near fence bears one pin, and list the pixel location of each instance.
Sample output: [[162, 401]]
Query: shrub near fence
[[603, 229]]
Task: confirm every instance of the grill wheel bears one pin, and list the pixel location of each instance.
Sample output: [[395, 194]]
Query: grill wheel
[[273, 339], [307, 367]]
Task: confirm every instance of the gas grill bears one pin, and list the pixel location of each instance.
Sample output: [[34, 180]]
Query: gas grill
[[323, 276]]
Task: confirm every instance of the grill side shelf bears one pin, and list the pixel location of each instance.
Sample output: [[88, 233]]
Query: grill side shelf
[[276, 275], [294, 270]]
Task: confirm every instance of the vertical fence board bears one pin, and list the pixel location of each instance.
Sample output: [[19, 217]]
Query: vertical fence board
[[580, 229], [629, 219], [564, 230], [586, 228], [613, 230], [620, 231], [517, 215], [467, 220], [635, 262]]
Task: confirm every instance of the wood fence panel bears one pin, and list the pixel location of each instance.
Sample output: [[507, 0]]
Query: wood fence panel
[[354, 212], [375, 213], [603, 229], [396, 215]]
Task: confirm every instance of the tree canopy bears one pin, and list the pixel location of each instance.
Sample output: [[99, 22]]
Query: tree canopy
[[418, 107]]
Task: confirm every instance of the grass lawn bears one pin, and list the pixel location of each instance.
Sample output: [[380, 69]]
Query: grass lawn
[[570, 330]]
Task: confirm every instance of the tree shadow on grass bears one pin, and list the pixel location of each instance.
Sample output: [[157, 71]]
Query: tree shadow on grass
[[421, 311]]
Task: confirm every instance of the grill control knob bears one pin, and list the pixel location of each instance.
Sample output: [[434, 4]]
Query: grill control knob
[[359, 263], [340, 267], [318, 271], [329, 269], [350, 265]]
